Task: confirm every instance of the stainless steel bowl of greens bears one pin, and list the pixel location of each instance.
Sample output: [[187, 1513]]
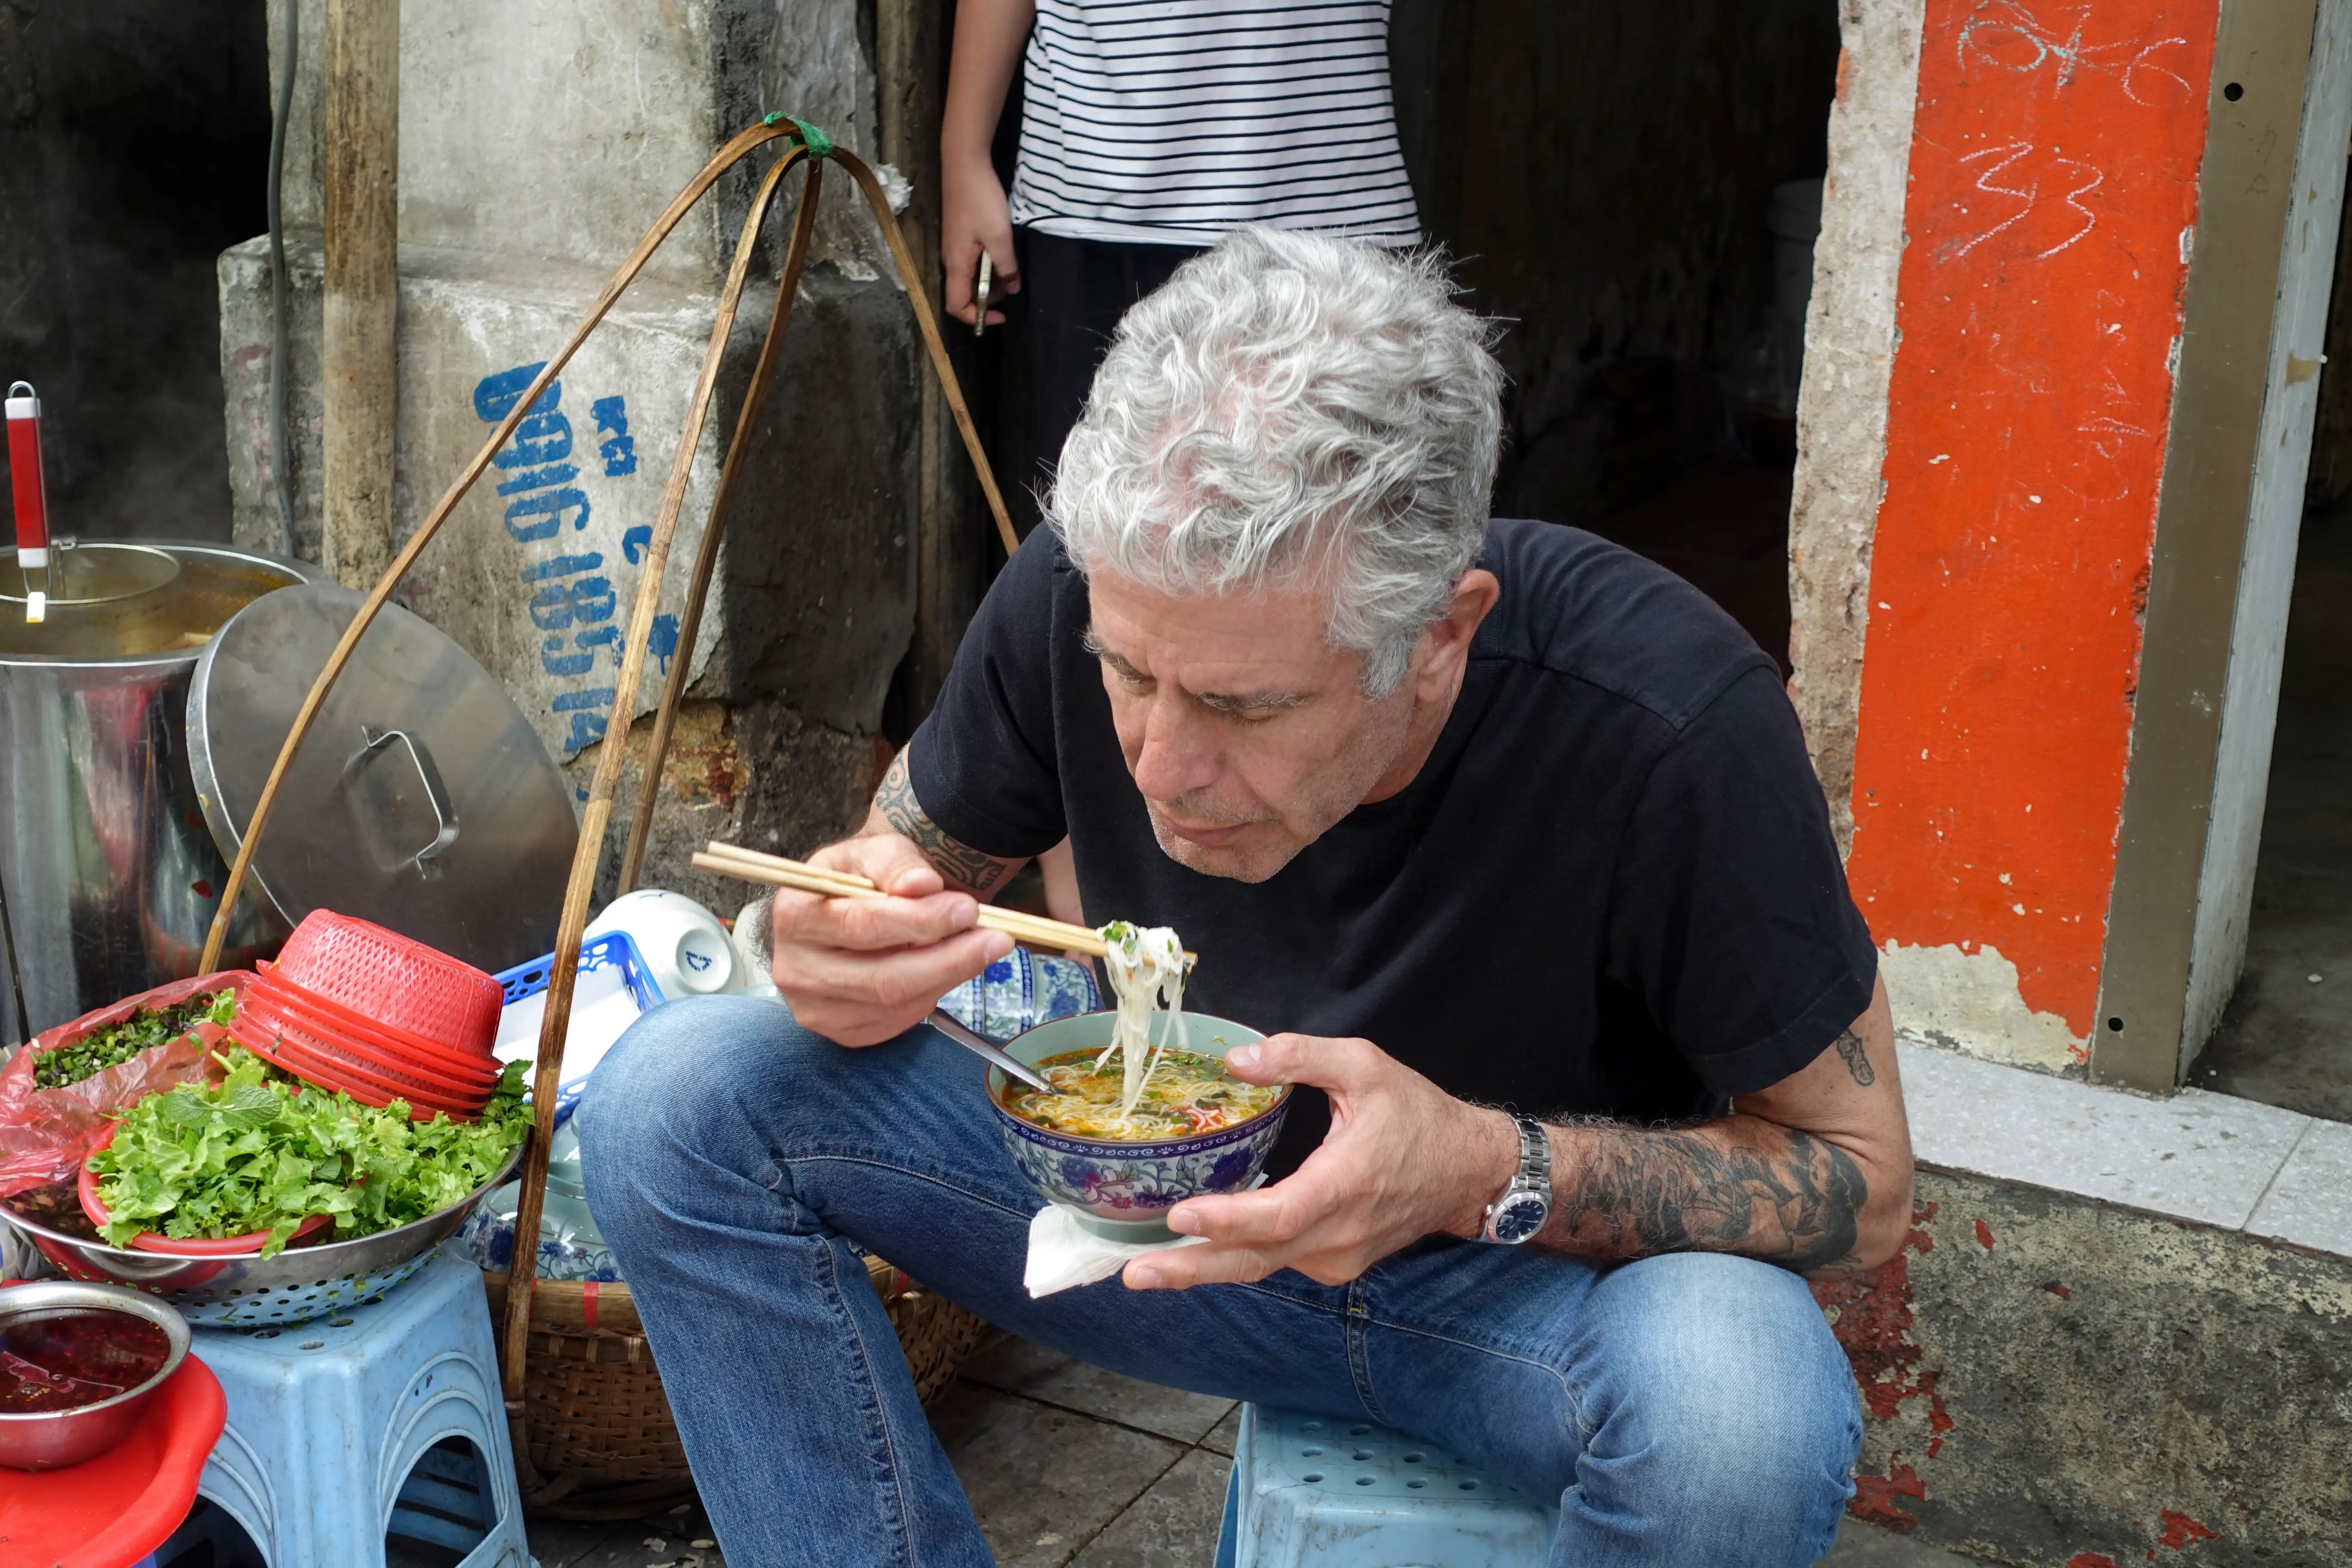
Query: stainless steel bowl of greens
[[247, 1155], [297, 1285]]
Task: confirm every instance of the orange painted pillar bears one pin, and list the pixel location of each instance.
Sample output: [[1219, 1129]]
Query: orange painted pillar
[[2051, 207]]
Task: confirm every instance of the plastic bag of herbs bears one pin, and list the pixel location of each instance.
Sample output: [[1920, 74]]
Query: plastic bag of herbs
[[259, 1150], [58, 1092]]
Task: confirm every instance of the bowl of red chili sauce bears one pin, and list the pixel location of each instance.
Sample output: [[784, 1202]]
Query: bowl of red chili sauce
[[77, 1365]]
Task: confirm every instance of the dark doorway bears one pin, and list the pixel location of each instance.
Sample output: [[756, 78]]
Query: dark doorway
[[2285, 1038], [1621, 184], [134, 137]]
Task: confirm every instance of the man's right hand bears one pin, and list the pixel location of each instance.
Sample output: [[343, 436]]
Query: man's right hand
[[862, 970]]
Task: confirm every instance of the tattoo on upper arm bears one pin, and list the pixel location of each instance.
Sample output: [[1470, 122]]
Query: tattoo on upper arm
[[1857, 1058], [1646, 1191], [957, 861]]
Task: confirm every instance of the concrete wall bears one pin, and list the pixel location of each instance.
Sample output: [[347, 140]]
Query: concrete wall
[[534, 150], [1849, 341], [2053, 189], [133, 136], [1988, 432], [2053, 1382]]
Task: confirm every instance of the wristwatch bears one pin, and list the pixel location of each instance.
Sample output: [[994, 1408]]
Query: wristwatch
[[1526, 1203]]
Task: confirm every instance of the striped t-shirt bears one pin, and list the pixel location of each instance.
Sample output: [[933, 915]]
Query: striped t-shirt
[[1170, 122]]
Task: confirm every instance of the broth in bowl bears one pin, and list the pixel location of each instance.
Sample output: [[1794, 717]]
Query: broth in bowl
[[1184, 1095]]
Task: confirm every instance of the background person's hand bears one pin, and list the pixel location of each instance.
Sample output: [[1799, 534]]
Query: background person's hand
[[1403, 1159], [973, 216], [862, 970]]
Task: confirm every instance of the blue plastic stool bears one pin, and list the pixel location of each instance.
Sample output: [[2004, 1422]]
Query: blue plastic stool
[[1310, 1490], [382, 1419]]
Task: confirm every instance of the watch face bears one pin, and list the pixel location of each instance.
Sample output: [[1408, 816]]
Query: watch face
[[1518, 1216]]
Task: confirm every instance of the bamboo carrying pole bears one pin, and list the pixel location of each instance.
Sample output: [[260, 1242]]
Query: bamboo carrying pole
[[706, 555], [808, 142]]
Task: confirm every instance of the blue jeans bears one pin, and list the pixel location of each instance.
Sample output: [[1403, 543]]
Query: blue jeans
[[1685, 1410]]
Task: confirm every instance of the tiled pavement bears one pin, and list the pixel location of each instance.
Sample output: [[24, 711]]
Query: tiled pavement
[[1066, 1464], [679, 1539]]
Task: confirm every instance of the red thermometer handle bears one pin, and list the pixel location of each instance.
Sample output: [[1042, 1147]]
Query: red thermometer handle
[[25, 478]]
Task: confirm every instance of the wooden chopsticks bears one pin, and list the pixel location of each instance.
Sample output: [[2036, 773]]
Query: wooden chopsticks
[[751, 866]]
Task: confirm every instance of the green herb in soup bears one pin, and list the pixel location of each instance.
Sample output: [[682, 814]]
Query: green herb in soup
[[1186, 1095]]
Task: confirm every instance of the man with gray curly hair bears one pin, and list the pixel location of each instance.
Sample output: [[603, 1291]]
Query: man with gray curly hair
[[1506, 836]]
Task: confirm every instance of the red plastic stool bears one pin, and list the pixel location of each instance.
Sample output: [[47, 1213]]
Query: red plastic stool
[[114, 1510]]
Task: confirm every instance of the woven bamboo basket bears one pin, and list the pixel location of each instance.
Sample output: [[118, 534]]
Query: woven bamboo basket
[[600, 1431], [592, 1433]]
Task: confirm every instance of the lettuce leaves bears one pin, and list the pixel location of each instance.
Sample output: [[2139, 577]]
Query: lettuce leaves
[[248, 1155]]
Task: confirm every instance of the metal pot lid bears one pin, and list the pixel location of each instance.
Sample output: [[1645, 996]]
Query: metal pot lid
[[420, 799]]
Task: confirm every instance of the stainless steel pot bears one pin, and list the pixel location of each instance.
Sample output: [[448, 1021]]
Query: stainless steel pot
[[110, 874], [45, 1440]]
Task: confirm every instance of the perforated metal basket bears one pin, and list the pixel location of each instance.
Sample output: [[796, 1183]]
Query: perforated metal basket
[[298, 1284]]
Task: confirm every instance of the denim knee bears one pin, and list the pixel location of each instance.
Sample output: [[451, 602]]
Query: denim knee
[[677, 1088], [1725, 1390]]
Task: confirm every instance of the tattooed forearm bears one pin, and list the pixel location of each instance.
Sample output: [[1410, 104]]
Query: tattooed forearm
[[1857, 1059], [1759, 1190], [895, 804]]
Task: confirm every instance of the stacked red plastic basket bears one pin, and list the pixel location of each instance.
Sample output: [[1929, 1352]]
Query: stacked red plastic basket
[[351, 1006]]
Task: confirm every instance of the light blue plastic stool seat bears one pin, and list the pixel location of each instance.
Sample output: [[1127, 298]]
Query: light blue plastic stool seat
[[1312, 1492], [384, 1417]]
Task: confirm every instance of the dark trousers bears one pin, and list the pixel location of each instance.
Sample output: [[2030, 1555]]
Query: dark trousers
[[1074, 292]]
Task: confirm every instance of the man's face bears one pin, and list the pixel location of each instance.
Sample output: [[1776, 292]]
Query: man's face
[[1248, 735]]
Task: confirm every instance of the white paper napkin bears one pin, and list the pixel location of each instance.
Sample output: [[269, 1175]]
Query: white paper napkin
[[1062, 1253]]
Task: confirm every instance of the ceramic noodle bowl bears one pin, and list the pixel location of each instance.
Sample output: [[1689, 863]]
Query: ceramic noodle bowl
[[1124, 1189]]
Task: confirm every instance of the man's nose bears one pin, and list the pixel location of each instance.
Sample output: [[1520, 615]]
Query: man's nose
[[1179, 754]]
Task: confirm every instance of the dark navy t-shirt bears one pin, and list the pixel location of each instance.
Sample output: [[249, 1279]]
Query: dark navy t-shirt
[[1610, 891]]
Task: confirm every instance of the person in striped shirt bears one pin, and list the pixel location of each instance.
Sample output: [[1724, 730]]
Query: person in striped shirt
[[1151, 128]]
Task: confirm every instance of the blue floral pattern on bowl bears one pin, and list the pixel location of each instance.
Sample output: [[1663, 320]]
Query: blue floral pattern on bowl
[[1021, 990], [1132, 1182], [489, 1239]]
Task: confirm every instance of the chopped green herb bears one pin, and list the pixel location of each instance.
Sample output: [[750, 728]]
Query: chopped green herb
[[117, 1042], [247, 1154]]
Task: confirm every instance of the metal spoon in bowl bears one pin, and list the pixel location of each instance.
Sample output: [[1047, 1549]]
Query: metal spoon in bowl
[[981, 1045]]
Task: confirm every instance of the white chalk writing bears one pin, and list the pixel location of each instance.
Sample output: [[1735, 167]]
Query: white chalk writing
[[2009, 36]]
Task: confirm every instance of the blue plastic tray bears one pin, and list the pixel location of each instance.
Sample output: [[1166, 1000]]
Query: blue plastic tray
[[612, 954]]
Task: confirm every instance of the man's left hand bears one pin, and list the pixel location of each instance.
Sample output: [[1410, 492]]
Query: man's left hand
[[1403, 1159]]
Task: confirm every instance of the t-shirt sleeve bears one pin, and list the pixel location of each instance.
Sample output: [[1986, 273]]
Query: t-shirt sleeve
[[983, 764], [1729, 915]]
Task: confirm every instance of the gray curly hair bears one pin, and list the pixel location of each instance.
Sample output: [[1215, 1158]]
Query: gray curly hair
[[1293, 407]]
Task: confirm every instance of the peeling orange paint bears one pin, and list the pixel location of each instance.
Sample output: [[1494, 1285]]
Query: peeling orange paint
[[1984, 1235], [2180, 1531], [2091, 1560], [1874, 1497], [1871, 1315], [2053, 185]]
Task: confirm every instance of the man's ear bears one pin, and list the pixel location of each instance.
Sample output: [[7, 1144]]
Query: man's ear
[[1446, 643]]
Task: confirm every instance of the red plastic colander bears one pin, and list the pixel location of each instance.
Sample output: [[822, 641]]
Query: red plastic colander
[[308, 1060], [384, 976], [282, 995], [272, 1016]]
